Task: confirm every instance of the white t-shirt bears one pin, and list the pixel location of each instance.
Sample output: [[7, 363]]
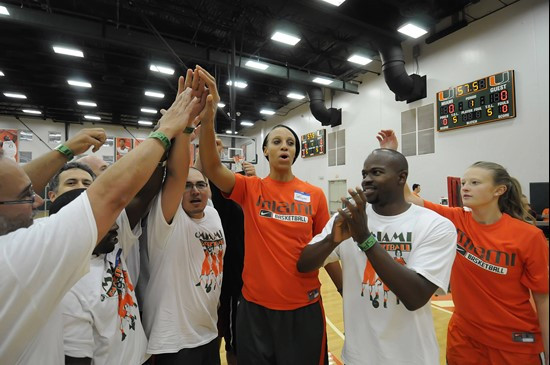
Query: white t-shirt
[[186, 266], [38, 266], [93, 324], [379, 329]]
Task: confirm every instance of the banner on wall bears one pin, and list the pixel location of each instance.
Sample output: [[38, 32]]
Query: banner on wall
[[9, 143], [123, 146]]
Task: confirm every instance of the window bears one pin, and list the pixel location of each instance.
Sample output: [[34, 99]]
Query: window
[[417, 131], [337, 148]]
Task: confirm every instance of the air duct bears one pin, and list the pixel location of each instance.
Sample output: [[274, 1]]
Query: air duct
[[331, 116], [404, 86]]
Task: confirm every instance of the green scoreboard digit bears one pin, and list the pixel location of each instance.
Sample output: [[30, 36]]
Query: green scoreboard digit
[[489, 99], [314, 143]]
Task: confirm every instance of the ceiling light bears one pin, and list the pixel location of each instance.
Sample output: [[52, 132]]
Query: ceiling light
[[79, 83], [412, 30], [334, 2], [154, 94], [32, 111], [267, 112], [257, 65], [285, 38], [68, 51], [15, 95], [148, 110], [145, 122], [92, 117], [4, 10], [247, 124], [86, 103], [221, 105], [2, 74], [296, 96], [229, 132], [360, 60], [238, 84], [162, 69], [322, 81]]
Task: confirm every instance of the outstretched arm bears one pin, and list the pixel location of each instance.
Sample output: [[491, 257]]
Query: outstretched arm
[[212, 167], [42, 169], [388, 139]]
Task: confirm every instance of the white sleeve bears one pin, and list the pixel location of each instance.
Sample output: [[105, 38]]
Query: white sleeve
[[158, 230], [78, 336], [434, 256], [38, 266], [335, 254], [127, 237]]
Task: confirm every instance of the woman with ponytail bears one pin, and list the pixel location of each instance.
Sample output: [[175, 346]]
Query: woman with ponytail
[[501, 260]]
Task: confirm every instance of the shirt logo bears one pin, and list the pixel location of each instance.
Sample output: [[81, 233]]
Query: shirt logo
[[284, 218]]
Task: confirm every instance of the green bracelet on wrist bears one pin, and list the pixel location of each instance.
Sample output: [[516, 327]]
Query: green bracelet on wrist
[[368, 243], [65, 151], [162, 138], [188, 130]]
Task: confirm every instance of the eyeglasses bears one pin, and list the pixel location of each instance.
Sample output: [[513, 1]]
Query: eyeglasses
[[201, 185], [31, 200]]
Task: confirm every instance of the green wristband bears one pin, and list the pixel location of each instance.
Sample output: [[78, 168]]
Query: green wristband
[[65, 151], [188, 130], [368, 243], [162, 138]]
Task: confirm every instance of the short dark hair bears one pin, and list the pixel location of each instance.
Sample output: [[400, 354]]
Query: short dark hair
[[54, 182], [291, 131], [415, 186]]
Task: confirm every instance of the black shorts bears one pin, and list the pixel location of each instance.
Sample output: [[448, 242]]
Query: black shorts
[[227, 320], [208, 354], [275, 337]]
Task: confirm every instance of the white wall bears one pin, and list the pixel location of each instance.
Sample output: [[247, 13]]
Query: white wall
[[514, 38]]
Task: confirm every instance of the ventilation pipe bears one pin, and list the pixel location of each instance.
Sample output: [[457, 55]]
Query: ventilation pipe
[[331, 116], [405, 87]]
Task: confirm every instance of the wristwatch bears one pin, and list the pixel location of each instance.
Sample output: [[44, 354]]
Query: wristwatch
[[368, 243]]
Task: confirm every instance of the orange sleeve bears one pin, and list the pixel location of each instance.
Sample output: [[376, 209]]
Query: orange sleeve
[[535, 274], [322, 215], [239, 190], [452, 214]]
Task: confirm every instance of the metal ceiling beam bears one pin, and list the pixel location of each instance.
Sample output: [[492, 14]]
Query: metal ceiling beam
[[128, 38]]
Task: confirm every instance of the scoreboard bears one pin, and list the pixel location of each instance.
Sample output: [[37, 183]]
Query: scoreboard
[[314, 143], [489, 99]]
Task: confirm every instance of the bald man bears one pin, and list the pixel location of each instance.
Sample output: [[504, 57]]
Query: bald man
[[95, 163], [394, 256]]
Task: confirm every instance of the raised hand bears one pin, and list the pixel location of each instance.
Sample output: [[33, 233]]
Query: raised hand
[[387, 139], [355, 215], [85, 139], [249, 169], [340, 230], [180, 114], [213, 98]]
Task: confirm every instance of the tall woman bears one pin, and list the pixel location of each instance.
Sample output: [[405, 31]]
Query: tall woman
[[280, 318], [501, 261]]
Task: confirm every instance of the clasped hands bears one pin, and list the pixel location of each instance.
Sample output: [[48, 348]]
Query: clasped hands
[[352, 221]]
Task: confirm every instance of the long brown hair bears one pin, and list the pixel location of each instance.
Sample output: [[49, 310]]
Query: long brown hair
[[509, 202]]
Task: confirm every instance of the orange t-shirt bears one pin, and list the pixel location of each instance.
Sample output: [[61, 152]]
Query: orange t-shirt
[[280, 219], [545, 212], [495, 266]]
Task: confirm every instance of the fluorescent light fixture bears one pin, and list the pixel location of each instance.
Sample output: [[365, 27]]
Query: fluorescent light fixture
[[257, 65], [145, 122], [238, 84], [296, 96], [4, 10], [68, 51], [79, 83], [2, 74], [149, 110], [162, 69], [412, 30], [32, 111], [86, 103], [335, 2], [267, 112], [285, 38], [92, 117], [15, 95], [322, 81], [154, 94], [360, 60], [229, 132], [247, 124], [221, 105]]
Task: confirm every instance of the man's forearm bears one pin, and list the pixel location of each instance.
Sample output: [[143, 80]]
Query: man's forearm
[[313, 256], [42, 169]]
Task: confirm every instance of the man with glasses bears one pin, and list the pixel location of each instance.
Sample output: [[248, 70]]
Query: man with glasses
[[186, 249]]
